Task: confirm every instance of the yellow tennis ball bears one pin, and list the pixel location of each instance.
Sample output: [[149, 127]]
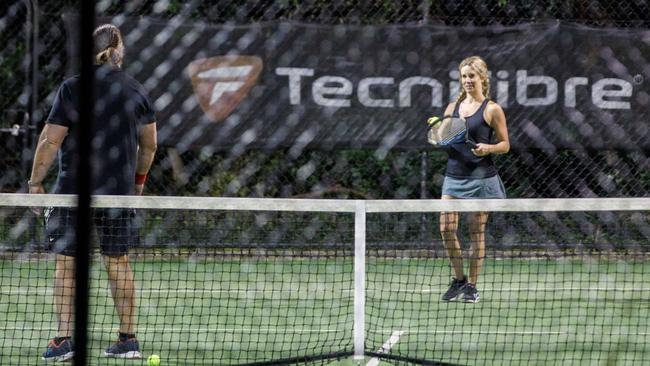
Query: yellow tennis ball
[[153, 360], [433, 120]]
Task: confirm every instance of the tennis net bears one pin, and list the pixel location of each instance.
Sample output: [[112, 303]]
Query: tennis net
[[281, 281]]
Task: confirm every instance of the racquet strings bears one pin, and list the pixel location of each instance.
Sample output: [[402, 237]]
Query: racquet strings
[[447, 131]]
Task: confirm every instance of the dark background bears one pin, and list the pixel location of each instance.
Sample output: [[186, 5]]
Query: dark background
[[585, 152]]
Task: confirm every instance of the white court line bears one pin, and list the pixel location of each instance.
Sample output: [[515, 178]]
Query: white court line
[[385, 348], [47, 291], [194, 330], [312, 331], [506, 332], [513, 289], [497, 332]]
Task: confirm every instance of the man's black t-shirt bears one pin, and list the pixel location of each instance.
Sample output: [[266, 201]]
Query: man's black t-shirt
[[121, 108]]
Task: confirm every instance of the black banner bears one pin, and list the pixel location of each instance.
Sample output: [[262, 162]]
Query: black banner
[[295, 85]]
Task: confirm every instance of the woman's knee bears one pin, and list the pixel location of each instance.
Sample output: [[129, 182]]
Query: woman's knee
[[448, 225]]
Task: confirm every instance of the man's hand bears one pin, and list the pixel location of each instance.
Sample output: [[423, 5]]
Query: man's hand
[[36, 189], [139, 188]]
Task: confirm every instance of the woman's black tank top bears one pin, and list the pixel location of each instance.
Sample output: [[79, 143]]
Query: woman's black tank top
[[462, 162]]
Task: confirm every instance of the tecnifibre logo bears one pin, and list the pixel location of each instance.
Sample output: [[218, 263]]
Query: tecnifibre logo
[[529, 90], [222, 82]]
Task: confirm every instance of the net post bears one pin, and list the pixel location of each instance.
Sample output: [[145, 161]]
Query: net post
[[359, 279]]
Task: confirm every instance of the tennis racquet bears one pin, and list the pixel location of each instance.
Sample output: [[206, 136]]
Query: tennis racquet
[[448, 130]]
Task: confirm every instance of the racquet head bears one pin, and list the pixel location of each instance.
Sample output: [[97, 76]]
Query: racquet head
[[448, 130]]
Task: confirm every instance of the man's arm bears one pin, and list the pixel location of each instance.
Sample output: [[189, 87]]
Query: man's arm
[[48, 145], [147, 145]]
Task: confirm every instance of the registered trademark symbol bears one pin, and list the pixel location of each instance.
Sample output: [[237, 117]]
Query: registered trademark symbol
[[638, 79]]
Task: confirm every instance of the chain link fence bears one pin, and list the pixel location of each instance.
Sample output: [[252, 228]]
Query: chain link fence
[[28, 84]]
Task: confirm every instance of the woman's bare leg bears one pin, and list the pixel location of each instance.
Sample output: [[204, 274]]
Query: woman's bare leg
[[448, 227]]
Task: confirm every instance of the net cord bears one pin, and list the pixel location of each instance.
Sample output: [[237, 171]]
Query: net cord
[[332, 205]]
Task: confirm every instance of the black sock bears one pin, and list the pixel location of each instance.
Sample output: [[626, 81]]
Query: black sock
[[126, 336]]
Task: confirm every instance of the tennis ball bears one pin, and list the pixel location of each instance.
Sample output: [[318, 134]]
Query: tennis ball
[[433, 120], [153, 360]]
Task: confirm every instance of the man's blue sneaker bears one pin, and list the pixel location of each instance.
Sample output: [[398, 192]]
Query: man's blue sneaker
[[59, 350], [124, 349]]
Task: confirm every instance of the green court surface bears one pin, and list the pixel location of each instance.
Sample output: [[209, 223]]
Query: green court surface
[[207, 311]]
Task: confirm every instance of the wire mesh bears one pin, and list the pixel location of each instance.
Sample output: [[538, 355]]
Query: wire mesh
[[367, 173]]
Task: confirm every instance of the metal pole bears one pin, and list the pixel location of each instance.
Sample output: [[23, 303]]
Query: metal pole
[[424, 224], [425, 6], [30, 120], [84, 179], [423, 175]]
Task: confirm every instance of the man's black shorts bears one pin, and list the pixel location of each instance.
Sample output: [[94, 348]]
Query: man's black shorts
[[117, 230]]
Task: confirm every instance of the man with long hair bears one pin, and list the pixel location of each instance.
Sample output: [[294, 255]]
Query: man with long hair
[[124, 144]]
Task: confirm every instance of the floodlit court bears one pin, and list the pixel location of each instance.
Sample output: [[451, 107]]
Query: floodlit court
[[245, 281], [325, 182]]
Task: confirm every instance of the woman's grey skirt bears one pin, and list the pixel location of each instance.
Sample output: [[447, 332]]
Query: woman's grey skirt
[[491, 187]]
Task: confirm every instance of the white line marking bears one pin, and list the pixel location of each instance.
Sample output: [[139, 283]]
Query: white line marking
[[47, 291], [500, 332], [385, 348], [40, 291], [514, 289], [507, 332], [195, 330], [298, 330]]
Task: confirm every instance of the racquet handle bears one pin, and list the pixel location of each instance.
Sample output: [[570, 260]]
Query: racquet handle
[[471, 142]]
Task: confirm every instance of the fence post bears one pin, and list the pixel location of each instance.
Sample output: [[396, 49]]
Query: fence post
[[30, 120], [425, 6], [84, 181]]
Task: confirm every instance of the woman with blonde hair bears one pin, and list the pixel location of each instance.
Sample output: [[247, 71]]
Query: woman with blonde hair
[[471, 173]]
